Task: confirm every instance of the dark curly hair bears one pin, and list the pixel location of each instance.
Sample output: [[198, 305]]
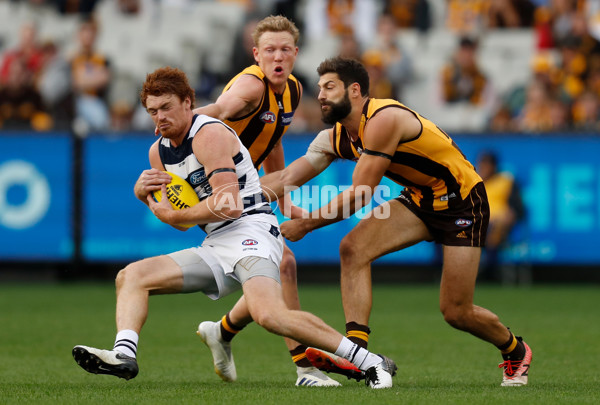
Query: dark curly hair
[[349, 71]]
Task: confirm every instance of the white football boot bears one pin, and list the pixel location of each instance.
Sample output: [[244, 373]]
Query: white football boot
[[380, 375], [210, 333], [112, 362], [313, 377]]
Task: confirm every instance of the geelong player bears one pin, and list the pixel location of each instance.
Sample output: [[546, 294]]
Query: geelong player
[[259, 104], [243, 246], [444, 201]]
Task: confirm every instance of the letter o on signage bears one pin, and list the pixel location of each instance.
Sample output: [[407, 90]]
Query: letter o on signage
[[35, 206]]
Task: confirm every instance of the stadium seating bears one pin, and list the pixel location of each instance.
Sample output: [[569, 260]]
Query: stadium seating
[[201, 34]]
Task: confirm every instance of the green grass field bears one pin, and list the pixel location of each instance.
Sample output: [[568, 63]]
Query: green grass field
[[39, 325]]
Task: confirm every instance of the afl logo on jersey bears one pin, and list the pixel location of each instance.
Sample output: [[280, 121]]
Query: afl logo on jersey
[[463, 223], [268, 117], [250, 242]]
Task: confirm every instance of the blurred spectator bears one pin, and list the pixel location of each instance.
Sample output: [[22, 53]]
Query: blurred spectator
[[409, 13], [510, 14], [587, 43], [541, 105], [121, 115], [467, 17], [91, 75], [564, 13], [542, 25], [572, 69], [380, 86], [21, 106], [27, 54], [586, 112], [502, 119], [386, 52], [560, 115], [536, 115], [462, 79], [592, 16], [129, 7], [593, 79], [349, 47], [506, 210], [243, 55], [54, 84], [336, 17]]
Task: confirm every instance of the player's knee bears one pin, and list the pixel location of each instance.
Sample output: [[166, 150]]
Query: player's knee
[[349, 251], [456, 316], [287, 268], [267, 319], [346, 250], [122, 278], [127, 276], [119, 279]]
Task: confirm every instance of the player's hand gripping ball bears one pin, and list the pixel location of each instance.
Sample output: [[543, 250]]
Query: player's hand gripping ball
[[180, 194]]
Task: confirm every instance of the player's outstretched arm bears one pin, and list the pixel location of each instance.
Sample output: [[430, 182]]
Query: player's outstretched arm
[[381, 138], [241, 99], [317, 158]]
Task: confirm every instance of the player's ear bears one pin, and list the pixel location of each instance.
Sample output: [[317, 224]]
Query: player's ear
[[355, 90], [255, 53]]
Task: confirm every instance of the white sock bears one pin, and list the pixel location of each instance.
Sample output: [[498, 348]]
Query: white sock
[[361, 358], [126, 342]]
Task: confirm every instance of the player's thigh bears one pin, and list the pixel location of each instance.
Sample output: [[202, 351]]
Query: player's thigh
[[198, 274], [389, 227], [261, 285], [158, 275], [459, 274]]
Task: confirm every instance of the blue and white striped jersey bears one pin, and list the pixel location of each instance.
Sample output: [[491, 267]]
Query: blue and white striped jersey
[[182, 161]]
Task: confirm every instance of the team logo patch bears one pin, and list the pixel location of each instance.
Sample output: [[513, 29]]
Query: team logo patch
[[250, 242], [268, 117], [286, 118], [463, 223], [197, 177]]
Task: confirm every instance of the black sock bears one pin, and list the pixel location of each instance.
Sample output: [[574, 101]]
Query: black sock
[[513, 349]]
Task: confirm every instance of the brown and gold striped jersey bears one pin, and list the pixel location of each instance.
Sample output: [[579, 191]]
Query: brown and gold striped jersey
[[431, 166], [261, 129]]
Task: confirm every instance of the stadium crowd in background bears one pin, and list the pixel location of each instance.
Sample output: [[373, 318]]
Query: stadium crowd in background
[[566, 58], [90, 75]]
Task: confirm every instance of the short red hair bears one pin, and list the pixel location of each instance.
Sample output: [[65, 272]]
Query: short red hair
[[167, 80]]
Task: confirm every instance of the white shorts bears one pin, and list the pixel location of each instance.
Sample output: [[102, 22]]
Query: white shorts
[[221, 250]]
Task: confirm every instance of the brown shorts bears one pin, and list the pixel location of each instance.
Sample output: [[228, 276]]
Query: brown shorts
[[463, 225]]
